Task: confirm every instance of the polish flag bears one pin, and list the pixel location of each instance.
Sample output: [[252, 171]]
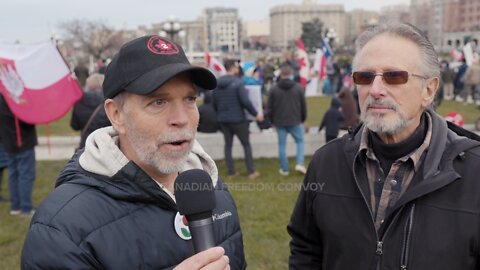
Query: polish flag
[[36, 82], [302, 60], [215, 66]]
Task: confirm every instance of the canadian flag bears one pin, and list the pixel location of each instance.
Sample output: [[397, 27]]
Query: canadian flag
[[215, 66], [302, 60], [36, 82]]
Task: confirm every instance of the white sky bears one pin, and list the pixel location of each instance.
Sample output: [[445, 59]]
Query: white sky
[[36, 20]]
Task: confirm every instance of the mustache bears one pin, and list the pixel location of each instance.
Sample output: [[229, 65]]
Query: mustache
[[369, 102], [182, 135]]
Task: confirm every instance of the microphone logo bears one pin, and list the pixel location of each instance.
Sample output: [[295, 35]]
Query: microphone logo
[[181, 227]]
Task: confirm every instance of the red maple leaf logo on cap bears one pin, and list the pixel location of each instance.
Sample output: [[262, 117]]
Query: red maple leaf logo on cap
[[160, 45]]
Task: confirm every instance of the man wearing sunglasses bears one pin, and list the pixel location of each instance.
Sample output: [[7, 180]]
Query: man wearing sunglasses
[[402, 191]]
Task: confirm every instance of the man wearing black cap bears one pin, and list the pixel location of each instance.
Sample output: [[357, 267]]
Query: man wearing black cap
[[113, 206]]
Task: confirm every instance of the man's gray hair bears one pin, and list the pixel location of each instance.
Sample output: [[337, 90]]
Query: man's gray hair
[[120, 99], [430, 67]]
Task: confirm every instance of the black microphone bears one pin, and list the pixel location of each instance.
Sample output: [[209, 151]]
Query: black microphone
[[195, 200]]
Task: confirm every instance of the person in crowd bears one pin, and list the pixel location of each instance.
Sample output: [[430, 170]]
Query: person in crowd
[[208, 117], [289, 60], [471, 82], [459, 82], [332, 120], [448, 75], [4, 161], [400, 192], [82, 73], [114, 205], [287, 112], [269, 72], [88, 113], [230, 99], [349, 109], [19, 139]]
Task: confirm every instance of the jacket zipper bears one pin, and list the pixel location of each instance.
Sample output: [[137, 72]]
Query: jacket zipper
[[407, 239], [379, 245], [379, 250]]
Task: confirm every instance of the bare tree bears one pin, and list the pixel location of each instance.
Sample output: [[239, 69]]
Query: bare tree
[[91, 37]]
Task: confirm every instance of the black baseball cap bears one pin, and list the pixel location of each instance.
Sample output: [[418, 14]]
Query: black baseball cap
[[144, 64]]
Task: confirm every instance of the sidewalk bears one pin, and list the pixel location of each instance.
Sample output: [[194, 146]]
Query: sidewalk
[[264, 144]]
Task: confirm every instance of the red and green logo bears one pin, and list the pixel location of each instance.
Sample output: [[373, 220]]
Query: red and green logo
[[181, 227]]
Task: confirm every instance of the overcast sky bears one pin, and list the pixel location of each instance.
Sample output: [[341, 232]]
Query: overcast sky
[[36, 20]]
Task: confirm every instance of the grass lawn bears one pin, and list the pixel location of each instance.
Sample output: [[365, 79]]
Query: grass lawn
[[264, 206]]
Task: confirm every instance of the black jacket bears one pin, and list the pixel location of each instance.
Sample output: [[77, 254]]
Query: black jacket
[[434, 225], [286, 104], [230, 99], [83, 110], [208, 117], [124, 221], [332, 119], [8, 131]]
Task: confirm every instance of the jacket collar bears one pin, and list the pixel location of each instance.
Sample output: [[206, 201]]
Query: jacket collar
[[438, 168]]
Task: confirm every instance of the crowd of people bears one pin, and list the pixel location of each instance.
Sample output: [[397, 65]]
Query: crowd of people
[[399, 172]]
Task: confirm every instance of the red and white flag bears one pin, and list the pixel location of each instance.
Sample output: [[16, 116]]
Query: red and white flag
[[302, 60], [320, 64], [36, 83], [215, 66]]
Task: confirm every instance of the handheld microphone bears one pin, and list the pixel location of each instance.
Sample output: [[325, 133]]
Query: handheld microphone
[[195, 200]]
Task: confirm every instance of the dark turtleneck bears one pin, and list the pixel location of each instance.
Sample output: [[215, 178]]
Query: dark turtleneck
[[388, 153]]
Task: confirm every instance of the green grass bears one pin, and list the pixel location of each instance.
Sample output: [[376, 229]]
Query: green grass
[[264, 206], [469, 112], [13, 228], [61, 127]]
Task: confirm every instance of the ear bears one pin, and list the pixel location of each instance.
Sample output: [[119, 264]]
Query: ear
[[116, 115], [430, 91]]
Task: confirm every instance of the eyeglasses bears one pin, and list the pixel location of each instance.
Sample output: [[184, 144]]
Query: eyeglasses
[[390, 77]]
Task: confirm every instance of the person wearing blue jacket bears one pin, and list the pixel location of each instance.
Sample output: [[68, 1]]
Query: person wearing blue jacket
[[114, 205], [230, 99]]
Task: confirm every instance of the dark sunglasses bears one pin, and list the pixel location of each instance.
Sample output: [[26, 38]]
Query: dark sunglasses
[[390, 77]]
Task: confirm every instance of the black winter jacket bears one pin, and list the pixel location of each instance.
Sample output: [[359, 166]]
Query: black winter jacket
[[208, 116], [434, 225], [82, 111], [125, 221], [8, 132], [332, 118], [230, 99], [286, 104], [84, 108]]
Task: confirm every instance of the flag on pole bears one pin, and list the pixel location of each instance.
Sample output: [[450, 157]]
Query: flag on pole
[[214, 65], [325, 53], [456, 55], [302, 60], [36, 82]]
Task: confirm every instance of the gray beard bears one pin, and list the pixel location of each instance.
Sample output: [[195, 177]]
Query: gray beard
[[377, 124], [151, 155]]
